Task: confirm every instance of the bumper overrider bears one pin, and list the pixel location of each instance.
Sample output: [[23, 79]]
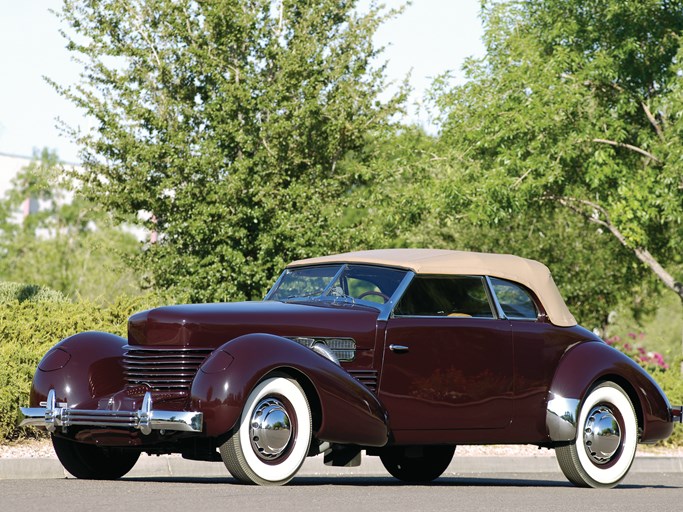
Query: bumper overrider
[[52, 414]]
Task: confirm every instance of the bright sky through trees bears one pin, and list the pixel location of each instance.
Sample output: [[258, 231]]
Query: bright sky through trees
[[429, 38]]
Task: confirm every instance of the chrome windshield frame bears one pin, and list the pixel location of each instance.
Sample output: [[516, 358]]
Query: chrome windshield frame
[[326, 291], [322, 293], [385, 310], [388, 307]]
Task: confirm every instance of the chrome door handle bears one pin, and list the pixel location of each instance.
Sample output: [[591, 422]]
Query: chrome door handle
[[398, 348]]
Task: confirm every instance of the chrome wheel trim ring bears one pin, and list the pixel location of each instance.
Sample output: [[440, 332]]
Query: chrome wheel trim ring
[[270, 429], [602, 435]]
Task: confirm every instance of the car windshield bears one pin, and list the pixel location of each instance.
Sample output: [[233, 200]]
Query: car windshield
[[354, 282]]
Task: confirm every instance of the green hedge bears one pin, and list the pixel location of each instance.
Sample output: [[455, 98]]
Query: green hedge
[[27, 331]]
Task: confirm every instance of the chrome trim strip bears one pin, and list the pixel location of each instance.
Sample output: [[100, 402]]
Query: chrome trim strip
[[387, 308], [561, 417], [450, 317], [494, 297], [52, 415]]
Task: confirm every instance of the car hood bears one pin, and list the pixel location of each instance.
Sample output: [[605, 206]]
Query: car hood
[[211, 325]]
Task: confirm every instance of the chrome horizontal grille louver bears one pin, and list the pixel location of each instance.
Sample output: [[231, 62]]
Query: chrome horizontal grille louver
[[163, 369], [366, 377], [343, 348]]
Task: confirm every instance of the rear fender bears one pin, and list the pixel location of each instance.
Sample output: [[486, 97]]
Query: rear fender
[[586, 364], [348, 412], [80, 368]]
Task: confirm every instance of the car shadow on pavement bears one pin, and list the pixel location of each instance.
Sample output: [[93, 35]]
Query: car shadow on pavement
[[370, 481]]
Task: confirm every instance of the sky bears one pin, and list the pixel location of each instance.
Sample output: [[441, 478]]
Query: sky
[[429, 38]]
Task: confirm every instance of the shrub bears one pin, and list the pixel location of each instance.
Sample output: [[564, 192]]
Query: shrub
[[633, 347], [10, 292], [30, 328], [667, 376], [671, 382]]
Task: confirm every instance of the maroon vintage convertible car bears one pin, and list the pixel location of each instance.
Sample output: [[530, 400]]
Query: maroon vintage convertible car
[[401, 353]]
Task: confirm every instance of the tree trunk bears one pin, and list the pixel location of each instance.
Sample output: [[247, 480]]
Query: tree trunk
[[603, 220]]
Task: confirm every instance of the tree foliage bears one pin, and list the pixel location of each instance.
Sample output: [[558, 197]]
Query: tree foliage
[[577, 107], [67, 244], [232, 124]]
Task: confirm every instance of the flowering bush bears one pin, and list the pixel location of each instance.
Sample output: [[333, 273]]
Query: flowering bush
[[632, 347], [669, 378]]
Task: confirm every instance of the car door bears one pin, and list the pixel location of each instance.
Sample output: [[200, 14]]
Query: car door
[[539, 346], [448, 360]]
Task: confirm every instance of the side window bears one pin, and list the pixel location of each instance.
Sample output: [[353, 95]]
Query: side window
[[515, 301], [463, 296]]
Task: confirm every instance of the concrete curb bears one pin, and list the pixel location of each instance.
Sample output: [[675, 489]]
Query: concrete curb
[[175, 467]]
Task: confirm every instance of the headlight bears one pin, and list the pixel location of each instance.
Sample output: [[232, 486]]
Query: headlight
[[55, 359], [217, 362]]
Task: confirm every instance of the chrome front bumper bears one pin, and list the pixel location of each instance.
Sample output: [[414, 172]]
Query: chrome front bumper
[[52, 414]]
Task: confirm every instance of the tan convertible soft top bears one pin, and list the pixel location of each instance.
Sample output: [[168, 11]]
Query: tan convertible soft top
[[530, 273]]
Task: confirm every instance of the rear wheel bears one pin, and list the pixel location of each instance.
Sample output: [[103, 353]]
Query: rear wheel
[[273, 436], [417, 464], [90, 462], [606, 439]]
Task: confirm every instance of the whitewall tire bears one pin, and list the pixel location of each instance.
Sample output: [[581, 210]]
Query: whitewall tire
[[606, 439], [273, 436]]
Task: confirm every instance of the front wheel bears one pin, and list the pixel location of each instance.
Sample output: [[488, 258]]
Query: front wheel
[[90, 462], [418, 464], [606, 439], [273, 436]]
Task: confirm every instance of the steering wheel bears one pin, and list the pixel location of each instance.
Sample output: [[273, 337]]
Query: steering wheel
[[384, 297]]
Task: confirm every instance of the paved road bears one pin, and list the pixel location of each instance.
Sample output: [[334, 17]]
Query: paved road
[[502, 491]]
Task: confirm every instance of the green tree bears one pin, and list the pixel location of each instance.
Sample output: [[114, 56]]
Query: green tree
[[417, 199], [399, 201], [66, 244], [232, 124], [576, 108]]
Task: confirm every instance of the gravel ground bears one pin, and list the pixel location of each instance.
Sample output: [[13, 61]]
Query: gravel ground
[[42, 449]]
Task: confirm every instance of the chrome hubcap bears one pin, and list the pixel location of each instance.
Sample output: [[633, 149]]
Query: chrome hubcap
[[270, 429], [601, 435]]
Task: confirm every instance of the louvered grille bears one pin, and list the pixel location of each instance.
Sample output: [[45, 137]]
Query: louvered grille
[[163, 369], [366, 377]]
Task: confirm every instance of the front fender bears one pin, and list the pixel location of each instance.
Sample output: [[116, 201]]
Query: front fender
[[585, 364], [349, 412], [80, 368]]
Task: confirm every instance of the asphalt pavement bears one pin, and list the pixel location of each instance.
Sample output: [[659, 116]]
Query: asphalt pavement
[[172, 466]]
